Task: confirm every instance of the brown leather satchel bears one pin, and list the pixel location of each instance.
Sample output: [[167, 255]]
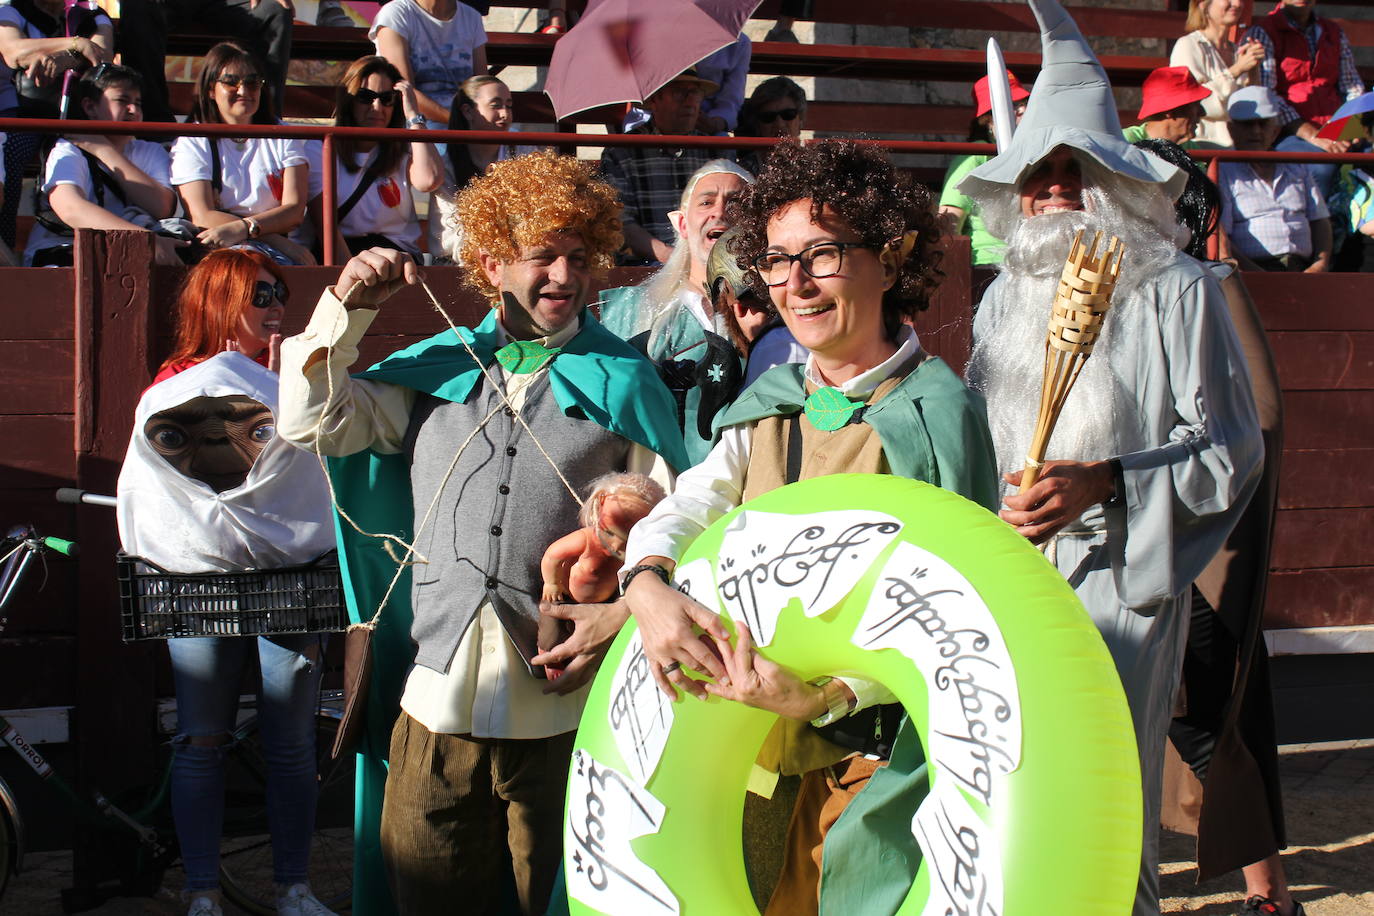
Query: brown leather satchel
[[357, 682]]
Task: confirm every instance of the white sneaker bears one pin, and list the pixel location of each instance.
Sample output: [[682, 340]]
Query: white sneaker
[[204, 906], [298, 901]]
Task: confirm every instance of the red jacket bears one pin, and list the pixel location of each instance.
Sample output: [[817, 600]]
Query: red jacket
[[1310, 86]]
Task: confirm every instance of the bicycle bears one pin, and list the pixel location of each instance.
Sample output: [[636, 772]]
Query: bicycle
[[144, 815]]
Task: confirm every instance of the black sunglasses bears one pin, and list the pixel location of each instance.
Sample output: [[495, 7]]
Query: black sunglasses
[[234, 80], [367, 96], [264, 293], [787, 114]]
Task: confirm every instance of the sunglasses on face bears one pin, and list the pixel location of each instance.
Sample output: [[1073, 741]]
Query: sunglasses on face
[[235, 80], [265, 293], [787, 114], [367, 96]]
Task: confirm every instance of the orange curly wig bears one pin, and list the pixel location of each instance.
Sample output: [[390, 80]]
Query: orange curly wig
[[520, 202]]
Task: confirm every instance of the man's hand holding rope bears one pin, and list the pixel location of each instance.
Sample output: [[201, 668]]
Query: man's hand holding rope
[[377, 274]]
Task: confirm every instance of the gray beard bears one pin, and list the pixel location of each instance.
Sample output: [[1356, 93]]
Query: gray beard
[[1100, 417]]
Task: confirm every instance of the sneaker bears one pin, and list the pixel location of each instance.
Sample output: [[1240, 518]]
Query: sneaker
[[204, 906], [1263, 906], [298, 901]]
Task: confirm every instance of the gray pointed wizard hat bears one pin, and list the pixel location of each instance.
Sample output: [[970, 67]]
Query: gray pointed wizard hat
[[1071, 105]]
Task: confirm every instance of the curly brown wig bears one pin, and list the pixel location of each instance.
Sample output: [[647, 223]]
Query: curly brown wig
[[859, 183], [520, 202]]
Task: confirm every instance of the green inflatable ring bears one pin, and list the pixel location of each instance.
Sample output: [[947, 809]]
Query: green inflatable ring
[[1032, 758]]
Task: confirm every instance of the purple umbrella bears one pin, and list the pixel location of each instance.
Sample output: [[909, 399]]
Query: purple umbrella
[[625, 50]]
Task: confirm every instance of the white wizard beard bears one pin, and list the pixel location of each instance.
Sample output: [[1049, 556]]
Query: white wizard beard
[[1100, 418]]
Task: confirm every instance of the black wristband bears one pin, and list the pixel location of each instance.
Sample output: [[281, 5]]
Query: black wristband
[[1118, 497], [645, 567]]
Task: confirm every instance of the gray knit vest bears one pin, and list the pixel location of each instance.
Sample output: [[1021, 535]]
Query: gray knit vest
[[502, 506]]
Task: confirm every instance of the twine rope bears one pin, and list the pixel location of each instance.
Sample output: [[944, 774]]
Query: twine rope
[[391, 541]]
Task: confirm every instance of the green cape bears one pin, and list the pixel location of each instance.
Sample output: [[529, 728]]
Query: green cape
[[932, 429], [596, 376]]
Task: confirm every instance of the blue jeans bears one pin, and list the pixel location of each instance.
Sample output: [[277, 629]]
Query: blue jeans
[[208, 672], [1323, 173]]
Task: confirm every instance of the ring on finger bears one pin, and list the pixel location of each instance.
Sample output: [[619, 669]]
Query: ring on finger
[[671, 667]]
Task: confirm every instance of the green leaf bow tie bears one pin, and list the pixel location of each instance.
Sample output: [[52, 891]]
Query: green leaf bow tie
[[829, 410], [521, 357]]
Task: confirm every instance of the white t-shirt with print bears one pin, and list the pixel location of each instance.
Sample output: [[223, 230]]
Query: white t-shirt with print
[[440, 50], [68, 165], [386, 208], [251, 170]]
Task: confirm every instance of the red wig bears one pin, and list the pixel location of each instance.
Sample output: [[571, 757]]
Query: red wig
[[213, 298]]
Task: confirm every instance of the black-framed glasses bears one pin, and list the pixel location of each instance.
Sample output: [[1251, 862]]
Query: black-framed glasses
[[387, 97], [264, 293], [768, 117], [235, 80], [824, 259]]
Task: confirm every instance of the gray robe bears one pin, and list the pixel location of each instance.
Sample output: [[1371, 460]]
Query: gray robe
[[1132, 565]]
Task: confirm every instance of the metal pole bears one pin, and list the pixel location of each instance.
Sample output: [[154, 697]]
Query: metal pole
[[329, 204]]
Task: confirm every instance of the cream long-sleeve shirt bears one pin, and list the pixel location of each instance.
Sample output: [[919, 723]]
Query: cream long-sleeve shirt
[[714, 487], [1204, 61], [487, 691]]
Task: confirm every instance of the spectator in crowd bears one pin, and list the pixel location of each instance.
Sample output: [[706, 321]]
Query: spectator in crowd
[[482, 103], [789, 11], [257, 503], [241, 192], [755, 327], [1273, 212], [669, 318], [39, 44], [1352, 209], [481, 743], [1308, 62], [727, 68], [777, 108], [1170, 108], [99, 182], [650, 180], [958, 212], [262, 26], [436, 45], [375, 208], [1215, 61]]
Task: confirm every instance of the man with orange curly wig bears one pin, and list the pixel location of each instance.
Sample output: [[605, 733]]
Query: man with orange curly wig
[[476, 451]]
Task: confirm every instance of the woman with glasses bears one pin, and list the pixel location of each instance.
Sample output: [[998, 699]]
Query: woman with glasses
[[373, 179], [846, 247], [241, 192], [776, 109], [235, 300]]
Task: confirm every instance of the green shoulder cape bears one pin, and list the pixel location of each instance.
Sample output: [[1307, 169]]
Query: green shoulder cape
[[596, 376], [932, 429]]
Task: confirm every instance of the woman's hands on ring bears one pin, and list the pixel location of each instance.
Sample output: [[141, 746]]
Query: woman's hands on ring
[[754, 681], [668, 624]]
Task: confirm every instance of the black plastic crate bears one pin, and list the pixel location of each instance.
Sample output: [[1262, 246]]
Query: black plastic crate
[[156, 604]]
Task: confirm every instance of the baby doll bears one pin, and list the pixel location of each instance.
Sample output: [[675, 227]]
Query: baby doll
[[583, 565]]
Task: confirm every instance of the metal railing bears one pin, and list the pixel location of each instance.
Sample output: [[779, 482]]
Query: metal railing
[[328, 134]]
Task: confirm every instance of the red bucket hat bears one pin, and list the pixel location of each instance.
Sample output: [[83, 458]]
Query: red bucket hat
[[983, 98], [1168, 88]]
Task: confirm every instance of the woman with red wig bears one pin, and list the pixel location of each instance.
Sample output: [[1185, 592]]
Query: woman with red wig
[[234, 299]]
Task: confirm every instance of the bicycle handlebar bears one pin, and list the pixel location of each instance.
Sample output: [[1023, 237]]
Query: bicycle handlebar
[[74, 496], [64, 547]]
